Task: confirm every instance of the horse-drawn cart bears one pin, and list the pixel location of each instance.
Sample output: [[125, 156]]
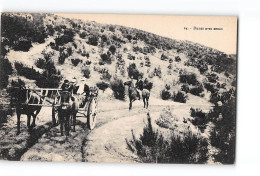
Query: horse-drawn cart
[[80, 105]]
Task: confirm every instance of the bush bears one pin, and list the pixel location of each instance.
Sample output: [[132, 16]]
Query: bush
[[118, 88], [106, 75], [212, 77], [83, 35], [112, 49], [210, 87], [185, 88], [164, 57], [105, 58], [111, 28], [66, 38], [223, 135], [40, 63], [151, 147], [102, 86], [75, 62], [5, 111], [23, 45], [93, 40], [180, 97], [197, 90], [86, 72], [104, 38], [188, 78], [200, 119], [20, 32], [177, 59], [166, 94], [5, 70], [133, 71]]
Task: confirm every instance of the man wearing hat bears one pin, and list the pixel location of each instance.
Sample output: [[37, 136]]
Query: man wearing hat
[[66, 85]]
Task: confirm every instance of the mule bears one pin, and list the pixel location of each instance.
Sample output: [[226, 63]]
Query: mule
[[68, 108], [134, 94], [20, 98]]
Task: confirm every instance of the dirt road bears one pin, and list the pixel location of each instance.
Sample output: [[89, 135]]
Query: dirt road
[[106, 143]]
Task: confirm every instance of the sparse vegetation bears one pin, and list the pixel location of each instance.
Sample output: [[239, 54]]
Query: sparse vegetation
[[152, 147]]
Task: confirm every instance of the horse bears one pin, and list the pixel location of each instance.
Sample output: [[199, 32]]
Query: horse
[[68, 108], [22, 98], [146, 96], [134, 94]]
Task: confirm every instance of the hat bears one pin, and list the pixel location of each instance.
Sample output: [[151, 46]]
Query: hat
[[66, 81]]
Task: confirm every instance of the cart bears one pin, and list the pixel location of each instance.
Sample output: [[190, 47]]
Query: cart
[[51, 98]]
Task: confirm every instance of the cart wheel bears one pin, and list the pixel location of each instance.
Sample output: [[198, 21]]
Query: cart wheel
[[55, 119], [92, 112]]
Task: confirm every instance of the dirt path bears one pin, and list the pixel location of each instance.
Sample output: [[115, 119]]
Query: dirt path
[[106, 143]]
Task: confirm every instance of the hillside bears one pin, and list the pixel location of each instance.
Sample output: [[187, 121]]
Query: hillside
[[45, 49]]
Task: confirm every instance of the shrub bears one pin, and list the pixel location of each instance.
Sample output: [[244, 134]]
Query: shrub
[[118, 88], [40, 63], [180, 97], [166, 94], [29, 73], [164, 57], [23, 45], [20, 33], [5, 70], [151, 147], [102, 86], [105, 75], [200, 119], [75, 62], [158, 72], [105, 58], [86, 72], [212, 77], [197, 90], [83, 35], [210, 87], [111, 28], [66, 38], [133, 71], [185, 88], [5, 111], [177, 59], [93, 40], [112, 49], [188, 78], [223, 135], [104, 38]]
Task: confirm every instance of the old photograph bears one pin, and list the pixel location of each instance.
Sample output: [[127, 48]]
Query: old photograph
[[110, 88]]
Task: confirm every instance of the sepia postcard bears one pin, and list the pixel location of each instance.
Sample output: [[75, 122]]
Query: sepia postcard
[[118, 88]]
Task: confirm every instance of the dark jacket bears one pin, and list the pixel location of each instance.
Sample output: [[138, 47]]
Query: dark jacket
[[139, 85]]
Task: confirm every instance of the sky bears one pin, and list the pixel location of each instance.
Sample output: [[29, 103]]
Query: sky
[[199, 29]]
